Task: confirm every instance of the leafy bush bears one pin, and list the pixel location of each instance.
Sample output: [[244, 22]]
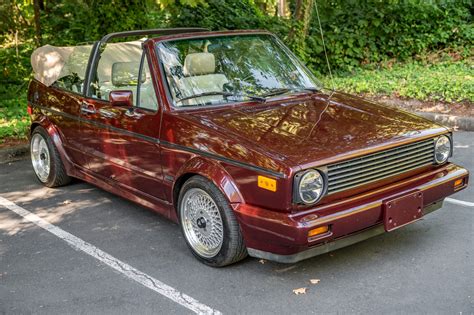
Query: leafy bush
[[359, 35], [14, 121], [445, 81], [356, 32], [76, 21], [362, 32]]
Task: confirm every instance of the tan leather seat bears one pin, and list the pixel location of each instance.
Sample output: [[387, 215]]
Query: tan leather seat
[[200, 77]]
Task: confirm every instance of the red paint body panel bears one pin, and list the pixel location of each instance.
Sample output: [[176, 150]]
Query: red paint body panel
[[144, 156]]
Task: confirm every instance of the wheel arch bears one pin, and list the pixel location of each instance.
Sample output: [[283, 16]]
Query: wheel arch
[[55, 136], [33, 127], [213, 172]]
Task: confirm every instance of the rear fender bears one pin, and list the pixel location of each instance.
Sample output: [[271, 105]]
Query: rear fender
[[55, 136]]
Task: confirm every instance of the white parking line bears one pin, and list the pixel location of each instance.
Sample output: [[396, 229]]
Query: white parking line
[[460, 202], [125, 269]]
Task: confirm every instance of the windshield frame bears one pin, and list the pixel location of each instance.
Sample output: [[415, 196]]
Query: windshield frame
[[172, 102]]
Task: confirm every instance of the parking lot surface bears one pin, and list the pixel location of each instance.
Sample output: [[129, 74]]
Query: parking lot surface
[[426, 267]]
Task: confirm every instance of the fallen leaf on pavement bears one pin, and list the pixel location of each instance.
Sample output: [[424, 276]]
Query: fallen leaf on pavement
[[314, 281], [299, 291]]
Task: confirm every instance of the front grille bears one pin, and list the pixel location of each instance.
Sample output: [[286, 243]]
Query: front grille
[[376, 166]]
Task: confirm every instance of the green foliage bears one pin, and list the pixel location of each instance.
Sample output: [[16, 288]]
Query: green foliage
[[360, 36], [14, 121], [76, 21], [218, 15], [356, 32], [444, 81], [362, 32]]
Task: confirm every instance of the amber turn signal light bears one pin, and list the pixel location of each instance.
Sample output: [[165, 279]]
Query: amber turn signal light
[[318, 231], [267, 183], [458, 182]]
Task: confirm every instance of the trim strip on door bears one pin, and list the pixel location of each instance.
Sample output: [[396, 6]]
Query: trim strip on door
[[165, 143]]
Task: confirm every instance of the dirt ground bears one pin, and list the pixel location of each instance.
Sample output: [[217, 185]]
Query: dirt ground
[[12, 142], [464, 109]]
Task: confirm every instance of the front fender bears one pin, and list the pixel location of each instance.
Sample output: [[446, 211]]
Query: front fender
[[213, 171]]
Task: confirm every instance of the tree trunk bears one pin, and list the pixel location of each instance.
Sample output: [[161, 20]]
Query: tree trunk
[[308, 13], [297, 13], [300, 27], [281, 8], [303, 13], [36, 7], [302, 16]]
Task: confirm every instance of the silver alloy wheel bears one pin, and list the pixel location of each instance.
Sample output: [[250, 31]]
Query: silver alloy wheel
[[202, 222], [40, 157]]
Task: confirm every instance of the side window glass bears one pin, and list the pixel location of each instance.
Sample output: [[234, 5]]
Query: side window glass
[[146, 91], [118, 69]]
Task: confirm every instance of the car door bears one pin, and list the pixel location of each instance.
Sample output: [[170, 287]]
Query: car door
[[64, 113], [61, 100], [122, 145]]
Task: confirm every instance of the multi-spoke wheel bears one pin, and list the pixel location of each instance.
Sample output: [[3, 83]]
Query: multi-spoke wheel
[[208, 223], [202, 222], [47, 164], [40, 157]]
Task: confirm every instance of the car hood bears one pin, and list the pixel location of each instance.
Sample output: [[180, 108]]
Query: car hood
[[311, 131]]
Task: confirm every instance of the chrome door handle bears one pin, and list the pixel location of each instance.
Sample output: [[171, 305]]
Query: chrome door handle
[[132, 113], [107, 114], [87, 108]]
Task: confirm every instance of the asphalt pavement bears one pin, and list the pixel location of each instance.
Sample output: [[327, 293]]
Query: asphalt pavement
[[426, 267]]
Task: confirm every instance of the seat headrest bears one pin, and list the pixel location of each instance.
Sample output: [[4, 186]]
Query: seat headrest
[[199, 64], [126, 73]]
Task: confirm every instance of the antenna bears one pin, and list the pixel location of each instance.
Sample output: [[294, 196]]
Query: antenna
[[325, 52], [328, 101]]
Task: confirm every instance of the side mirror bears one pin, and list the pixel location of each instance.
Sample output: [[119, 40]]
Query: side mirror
[[121, 98]]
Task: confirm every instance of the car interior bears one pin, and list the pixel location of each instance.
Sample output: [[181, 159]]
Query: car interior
[[199, 76]]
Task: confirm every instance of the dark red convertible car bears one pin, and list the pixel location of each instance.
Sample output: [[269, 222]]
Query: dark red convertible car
[[229, 135]]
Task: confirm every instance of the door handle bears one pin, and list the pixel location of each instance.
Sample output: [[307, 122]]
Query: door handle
[[132, 113], [87, 108], [107, 114]]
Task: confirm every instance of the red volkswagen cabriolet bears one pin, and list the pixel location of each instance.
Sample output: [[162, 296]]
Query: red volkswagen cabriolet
[[229, 135]]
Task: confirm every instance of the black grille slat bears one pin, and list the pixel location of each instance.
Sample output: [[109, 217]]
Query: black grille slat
[[427, 143], [382, 168], [378, 176], [376, 166], [408, 154]]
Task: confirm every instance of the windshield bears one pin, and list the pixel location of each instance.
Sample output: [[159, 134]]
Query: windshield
[[225, 69]]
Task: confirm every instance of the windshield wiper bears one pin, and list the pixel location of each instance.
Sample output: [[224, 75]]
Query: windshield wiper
[[253, 97], [280, 91], [277, 91], [310, 89]]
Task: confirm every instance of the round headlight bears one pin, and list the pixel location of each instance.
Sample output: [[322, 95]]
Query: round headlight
[[311, 186], [442, 149]]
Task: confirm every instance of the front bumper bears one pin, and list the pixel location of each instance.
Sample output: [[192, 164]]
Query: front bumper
[[283, 237]]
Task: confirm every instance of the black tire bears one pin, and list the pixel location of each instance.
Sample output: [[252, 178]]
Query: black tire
[[233, 248], [57, 173]]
